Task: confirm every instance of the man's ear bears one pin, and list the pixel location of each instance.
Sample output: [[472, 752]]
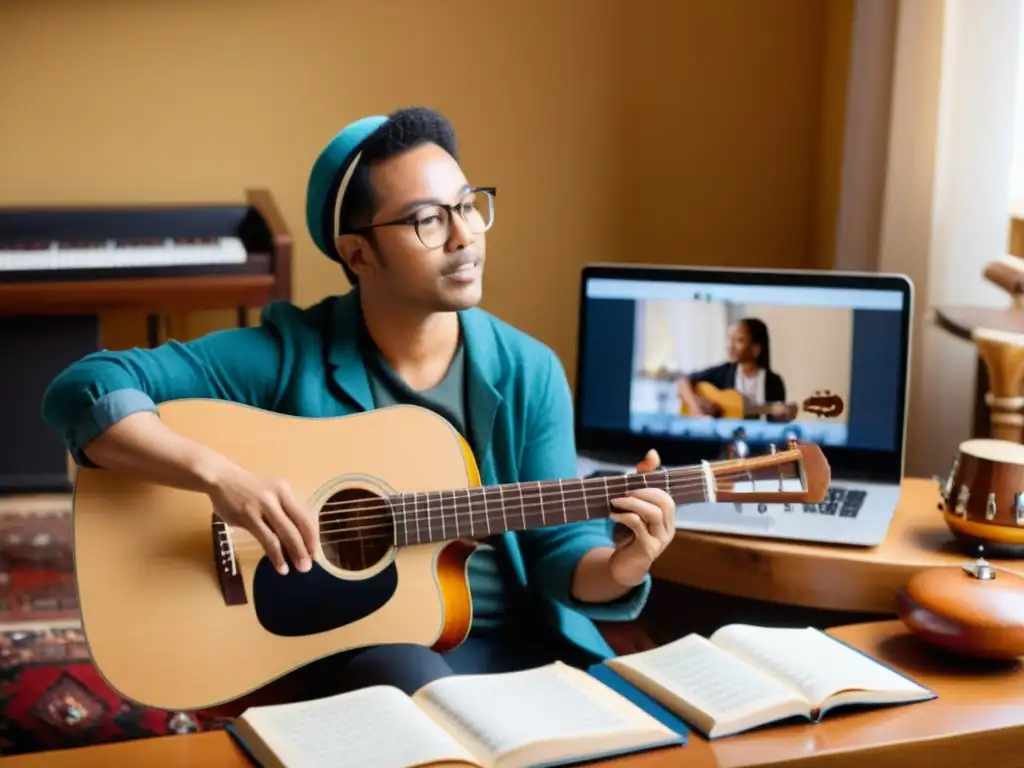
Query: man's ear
[[357, 253]]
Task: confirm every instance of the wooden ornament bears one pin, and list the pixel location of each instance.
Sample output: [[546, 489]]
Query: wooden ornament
[[974, 610], [1003, 355]]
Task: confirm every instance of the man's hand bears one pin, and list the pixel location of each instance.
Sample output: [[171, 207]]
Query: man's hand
[[650, 515], [268, 510]]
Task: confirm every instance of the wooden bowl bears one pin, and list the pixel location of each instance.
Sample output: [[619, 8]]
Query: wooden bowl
[[972, 610]]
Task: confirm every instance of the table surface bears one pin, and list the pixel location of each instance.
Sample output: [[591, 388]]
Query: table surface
[[979, 715], [825, 577], [962, 320]]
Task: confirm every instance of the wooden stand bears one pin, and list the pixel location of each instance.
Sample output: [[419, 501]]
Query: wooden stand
[[1003, 355]]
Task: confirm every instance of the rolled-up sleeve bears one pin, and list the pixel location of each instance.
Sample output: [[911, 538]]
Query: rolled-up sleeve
[[93, 394], [551, 554]]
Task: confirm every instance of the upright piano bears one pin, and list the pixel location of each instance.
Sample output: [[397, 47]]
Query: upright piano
[[61, 267]]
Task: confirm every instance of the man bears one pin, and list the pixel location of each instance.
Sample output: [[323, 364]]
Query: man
[[388, 201]]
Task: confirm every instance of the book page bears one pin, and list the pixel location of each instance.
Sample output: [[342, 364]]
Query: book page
[[497, 714], [378, 726], [818, 665], [709, 679]]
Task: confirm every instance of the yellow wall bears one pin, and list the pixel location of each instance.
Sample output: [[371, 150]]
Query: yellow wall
[[690, 132]]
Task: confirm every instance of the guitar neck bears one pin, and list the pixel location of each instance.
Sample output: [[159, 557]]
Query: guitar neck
[[433, 516]]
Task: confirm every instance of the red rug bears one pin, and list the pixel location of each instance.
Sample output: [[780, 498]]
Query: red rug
[[51, 695]]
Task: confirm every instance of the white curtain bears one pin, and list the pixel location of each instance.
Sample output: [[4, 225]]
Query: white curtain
[[682, 336]]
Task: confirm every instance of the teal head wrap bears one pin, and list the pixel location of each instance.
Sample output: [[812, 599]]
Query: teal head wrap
[[329, 180]]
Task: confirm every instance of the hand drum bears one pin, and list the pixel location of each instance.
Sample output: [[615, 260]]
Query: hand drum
[[983, 497]]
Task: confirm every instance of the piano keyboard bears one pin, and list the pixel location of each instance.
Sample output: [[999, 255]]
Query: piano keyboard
[[121, 254]]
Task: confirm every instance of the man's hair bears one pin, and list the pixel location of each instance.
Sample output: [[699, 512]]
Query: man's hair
[[404, 130]]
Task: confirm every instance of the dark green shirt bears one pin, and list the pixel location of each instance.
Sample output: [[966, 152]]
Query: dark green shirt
[[448, 399]]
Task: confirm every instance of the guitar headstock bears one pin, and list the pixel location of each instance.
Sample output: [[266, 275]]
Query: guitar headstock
[[824, 404], [800, 474]]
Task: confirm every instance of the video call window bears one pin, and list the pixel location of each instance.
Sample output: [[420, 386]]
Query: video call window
[[761, 363]]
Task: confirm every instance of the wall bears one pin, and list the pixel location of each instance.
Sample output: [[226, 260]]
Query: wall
[[732, 112], [811, 349], [690, 132], [947, 195]]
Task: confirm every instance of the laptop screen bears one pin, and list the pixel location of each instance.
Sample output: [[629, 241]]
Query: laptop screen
[[689, 361]]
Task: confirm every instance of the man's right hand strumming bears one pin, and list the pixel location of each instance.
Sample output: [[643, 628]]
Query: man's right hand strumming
[[266, 508]]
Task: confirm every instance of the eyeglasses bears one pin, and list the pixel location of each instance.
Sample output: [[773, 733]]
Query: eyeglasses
[[433, 223]]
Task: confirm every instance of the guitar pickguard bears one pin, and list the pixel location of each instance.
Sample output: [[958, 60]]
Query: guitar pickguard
[[310, 603]]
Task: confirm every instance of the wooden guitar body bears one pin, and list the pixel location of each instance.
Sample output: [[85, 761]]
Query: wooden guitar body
[[983, 497], [728, 400], [156, 592]]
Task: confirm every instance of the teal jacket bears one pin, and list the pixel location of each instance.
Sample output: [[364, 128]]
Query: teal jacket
[[307, 362]]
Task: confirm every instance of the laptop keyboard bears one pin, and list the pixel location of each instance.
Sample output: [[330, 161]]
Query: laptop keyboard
[[840, 502]]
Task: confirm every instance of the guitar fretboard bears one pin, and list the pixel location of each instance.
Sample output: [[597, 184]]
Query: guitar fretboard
[[420, 518]]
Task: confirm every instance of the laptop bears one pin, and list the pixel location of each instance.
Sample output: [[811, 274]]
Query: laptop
[[704, 364]]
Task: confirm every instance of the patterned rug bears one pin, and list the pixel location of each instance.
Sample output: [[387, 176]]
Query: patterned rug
[[51, 695]]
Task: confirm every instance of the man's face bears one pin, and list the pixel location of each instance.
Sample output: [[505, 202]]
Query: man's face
[[445, 273]]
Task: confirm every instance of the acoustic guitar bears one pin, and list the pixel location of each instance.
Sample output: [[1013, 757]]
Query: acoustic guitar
[[182, 612], [731, 404]]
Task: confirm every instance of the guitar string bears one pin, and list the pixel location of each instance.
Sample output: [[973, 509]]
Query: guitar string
[[696, 476], [402, 519], [725, 468], [402, 506], [396, 508], [531, 508], [398, 505]]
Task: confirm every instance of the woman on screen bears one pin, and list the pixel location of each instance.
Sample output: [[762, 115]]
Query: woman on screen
[[745, 387]]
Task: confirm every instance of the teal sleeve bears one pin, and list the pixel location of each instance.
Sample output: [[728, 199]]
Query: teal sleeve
[[551, 554], [241, 365]]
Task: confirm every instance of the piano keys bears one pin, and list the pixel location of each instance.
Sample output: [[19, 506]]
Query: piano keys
[[40, 260], [158, 259]]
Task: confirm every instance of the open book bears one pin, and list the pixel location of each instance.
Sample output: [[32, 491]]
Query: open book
[[744, 677], [551, 715]]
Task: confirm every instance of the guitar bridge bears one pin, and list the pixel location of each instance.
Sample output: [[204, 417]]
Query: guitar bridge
[[226, 562]]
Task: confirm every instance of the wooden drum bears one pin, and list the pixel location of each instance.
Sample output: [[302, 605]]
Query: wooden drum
[[983, 497]]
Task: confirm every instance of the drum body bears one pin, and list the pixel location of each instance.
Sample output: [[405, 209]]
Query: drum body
[[983, 497]]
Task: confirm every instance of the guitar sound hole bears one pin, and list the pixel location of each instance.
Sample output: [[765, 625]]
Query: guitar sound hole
[[356, 529]]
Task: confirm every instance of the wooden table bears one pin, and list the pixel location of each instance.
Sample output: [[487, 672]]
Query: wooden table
[[977, 719], [962, 320], [835, 578]]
